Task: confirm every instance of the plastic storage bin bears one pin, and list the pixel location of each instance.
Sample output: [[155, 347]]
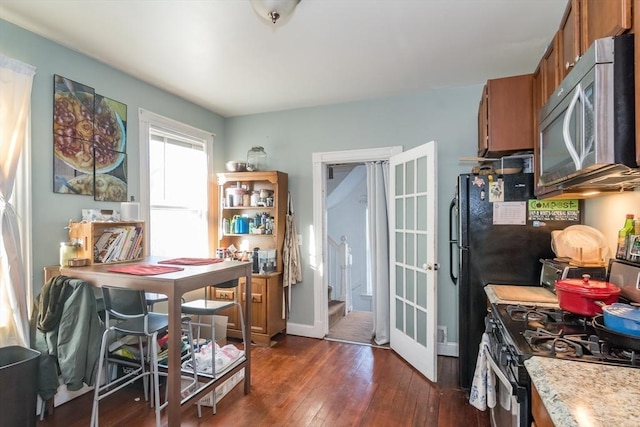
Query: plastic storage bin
[[19, 368]]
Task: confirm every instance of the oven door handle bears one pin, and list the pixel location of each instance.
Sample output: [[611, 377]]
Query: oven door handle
[[518, 391], [501, 376]]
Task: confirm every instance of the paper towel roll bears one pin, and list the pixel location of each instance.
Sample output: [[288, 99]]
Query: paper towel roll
[[129, 211]]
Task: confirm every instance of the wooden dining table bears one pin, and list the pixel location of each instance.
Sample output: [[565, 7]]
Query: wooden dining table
[[174, 285]]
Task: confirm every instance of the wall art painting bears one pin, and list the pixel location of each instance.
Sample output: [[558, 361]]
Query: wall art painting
[[90, 137]]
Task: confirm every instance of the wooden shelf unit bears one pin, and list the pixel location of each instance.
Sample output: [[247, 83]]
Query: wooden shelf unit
[[267, 317], [88, 233]]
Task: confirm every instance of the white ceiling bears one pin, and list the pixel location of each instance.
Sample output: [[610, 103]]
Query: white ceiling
[[221, 55]]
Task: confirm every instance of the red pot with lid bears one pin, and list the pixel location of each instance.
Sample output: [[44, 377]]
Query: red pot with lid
[[579, 296]]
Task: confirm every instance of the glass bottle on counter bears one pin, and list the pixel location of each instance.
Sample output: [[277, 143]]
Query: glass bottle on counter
[[623, 234]]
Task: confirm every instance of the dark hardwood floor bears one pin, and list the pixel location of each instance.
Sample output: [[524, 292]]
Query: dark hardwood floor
[[308, 382]]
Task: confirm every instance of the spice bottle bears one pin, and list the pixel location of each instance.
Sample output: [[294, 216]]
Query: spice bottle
[[254, 268], [623, 234]]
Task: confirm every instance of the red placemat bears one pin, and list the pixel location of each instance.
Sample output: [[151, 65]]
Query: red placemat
[[143, 269], [191, 261]]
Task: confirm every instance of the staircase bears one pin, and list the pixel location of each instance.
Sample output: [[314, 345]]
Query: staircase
[[336, 312]]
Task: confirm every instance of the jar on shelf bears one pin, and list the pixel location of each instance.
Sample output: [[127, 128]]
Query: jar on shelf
[[256, 159], [67, 252], [255, 198]]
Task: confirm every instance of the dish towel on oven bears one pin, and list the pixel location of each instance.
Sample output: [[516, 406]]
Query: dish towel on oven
[[483, 386]]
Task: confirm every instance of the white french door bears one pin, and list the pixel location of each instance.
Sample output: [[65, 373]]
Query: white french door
[[413, 263]]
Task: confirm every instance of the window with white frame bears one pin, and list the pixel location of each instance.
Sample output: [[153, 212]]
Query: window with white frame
[[175, 170]]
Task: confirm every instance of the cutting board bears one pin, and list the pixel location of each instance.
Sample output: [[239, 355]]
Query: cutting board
[[524, 293]]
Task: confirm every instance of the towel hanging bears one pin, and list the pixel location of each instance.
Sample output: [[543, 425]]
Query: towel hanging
[[290, 256]]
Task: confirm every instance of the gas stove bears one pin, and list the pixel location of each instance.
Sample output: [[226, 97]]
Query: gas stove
[[517, 332], [551, 332]]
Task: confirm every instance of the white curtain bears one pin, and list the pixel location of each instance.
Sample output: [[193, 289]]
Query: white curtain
[[378, 236], [16, 79]]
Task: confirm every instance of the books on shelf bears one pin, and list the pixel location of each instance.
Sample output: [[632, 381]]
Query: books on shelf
[[118, 244]]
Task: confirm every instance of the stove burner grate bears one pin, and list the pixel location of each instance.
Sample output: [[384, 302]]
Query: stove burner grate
[[532, 313]]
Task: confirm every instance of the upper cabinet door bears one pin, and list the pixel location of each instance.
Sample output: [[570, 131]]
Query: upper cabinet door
[[483, 119], [550, 68], [603, 18], [569, 34], [507, 107]]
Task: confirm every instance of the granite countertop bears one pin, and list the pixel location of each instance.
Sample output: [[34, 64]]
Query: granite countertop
[[494, 299], [580, 394]]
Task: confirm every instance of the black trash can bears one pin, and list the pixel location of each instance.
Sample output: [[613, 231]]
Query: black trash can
[[19, 379]]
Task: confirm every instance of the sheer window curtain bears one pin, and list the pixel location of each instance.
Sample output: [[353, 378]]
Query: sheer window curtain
[[377, 182], [16, 80]]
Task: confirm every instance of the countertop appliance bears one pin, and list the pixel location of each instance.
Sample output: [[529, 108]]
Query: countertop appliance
[[518, 332], [587, 128], [493, 249], [557, 269]]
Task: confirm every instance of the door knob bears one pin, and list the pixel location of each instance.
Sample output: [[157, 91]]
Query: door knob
[[429, 266]]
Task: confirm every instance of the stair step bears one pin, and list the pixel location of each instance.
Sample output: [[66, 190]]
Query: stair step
[[336, 311]]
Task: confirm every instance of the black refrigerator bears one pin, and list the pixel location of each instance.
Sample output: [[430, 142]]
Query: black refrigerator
[[498, 234]]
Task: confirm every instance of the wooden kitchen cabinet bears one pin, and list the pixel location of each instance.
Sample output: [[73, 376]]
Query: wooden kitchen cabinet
[[584, 21], [550, 68], [541, 417], [569, 38], [505, 116], [267, 292], [228, 294], [88, 234], [267, 317], [603, 18], [276, 184]]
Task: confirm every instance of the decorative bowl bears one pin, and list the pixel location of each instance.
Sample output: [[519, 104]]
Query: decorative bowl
[[236, 166]]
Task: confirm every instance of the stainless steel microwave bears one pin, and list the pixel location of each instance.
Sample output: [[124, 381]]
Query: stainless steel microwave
[[587, 128]]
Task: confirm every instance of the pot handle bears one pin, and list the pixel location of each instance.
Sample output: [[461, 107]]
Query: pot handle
[[601, 304]]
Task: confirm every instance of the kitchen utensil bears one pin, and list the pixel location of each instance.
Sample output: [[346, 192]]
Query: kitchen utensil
[[623, 318], [614, 338], [580, 243], [579, 296], [235, 196], [236, 166]]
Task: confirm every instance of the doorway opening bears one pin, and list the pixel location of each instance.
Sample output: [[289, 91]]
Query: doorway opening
[[336, 174], [350, 308]]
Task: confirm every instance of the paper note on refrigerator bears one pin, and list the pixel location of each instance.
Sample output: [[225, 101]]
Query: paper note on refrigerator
[[510, 213]]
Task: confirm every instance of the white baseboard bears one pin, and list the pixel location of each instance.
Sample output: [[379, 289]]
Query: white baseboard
[[302, 330], [309, 331], [448, 349]]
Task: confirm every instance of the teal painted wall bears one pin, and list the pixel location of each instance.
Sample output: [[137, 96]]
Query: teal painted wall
[[448, 116], [289, 137]]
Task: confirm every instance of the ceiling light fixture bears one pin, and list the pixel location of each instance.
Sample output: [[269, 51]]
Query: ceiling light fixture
[[274, 9]]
